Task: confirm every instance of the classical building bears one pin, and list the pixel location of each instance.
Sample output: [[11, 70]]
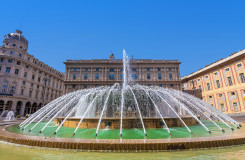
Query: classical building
[[25, 82], [82, 74], [222, 83]]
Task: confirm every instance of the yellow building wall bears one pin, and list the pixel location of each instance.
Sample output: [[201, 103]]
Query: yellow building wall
[[232, 97]]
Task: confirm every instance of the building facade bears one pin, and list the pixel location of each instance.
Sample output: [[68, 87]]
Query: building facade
[[82, 74], [25, 82], [222, 84]]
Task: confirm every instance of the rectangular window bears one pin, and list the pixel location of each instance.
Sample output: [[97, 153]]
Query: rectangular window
[[148, 69], [111, 70], [159, 85], [85, 69], [21, 91], [158, 69], [222, 107], [73, 86], [33, 77], [11, 52], [169, 69], [24, 83], [85, 86], [18, 63], [30, 94], [85, 76], [134, 70], [134, 76], [227, 69], [1, 60], [218, 84], [239, 65], [208, 85], [97, 76], [39, 79], [200, 87], [74, 69], [25, 74], [148, 84], [230, 81], [10, 61], [74, 76], [16, 71], [111, 76], [121, 76], [0, 68], [97, 69], [148, 76], [220, 95], [8, 69], [27, 66], [235, 106], [170, 76], [171, 85], [242, 77], [20, 55], [159, 76]]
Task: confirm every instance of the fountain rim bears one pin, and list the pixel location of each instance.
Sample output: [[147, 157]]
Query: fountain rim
[[122, 144]]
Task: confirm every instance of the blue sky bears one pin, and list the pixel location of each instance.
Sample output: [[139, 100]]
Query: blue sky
[[194, 32]]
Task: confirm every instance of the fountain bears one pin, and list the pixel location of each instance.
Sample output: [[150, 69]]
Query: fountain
[[127, 113], [10, 116]]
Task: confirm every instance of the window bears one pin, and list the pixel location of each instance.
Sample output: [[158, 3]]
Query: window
[[170, 76], [85, 76], [218, 84], [97, 76], [134, 76], [216, 73], [206, 76], [85, 86], [233, 93], [39, 79], [210, 97], [8, 70], [158, 69], [73, 86], [239, 65], [10, 61], [14, 45], [27, 66], [21, 91], [20, 55], [159, 76], [148, 84], [235, 106], [0, 68], [169, 69], [222, 107], [31, 84], [1, 60], [25, 74], [74, 76], [11, 52], [208, 85], [33, 77], [74, 69], [198, 80], [147, 69], [220, 95], [242, 77], [18, 63], [97, 69], [121, 76], [85, 69], [30, 94], [227, 69], [148, 76], [16, 71], [200, 87], [111, 70], [24, 83], [134, 69], [230, 81], [111, 76], [171, 85]]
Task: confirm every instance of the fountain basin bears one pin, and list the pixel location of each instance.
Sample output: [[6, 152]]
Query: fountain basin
[[114, 123]]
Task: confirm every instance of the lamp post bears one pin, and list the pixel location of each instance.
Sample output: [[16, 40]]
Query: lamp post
[[45, 80]]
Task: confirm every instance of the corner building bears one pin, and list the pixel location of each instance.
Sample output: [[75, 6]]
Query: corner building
[[222, 83], [82, 74], [25, 82]]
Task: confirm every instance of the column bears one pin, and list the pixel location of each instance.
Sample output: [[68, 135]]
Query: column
[[22, 109]]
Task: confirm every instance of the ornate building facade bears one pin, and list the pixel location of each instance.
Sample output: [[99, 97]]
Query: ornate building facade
[[222, 84], [25, 82], [82, 74]]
